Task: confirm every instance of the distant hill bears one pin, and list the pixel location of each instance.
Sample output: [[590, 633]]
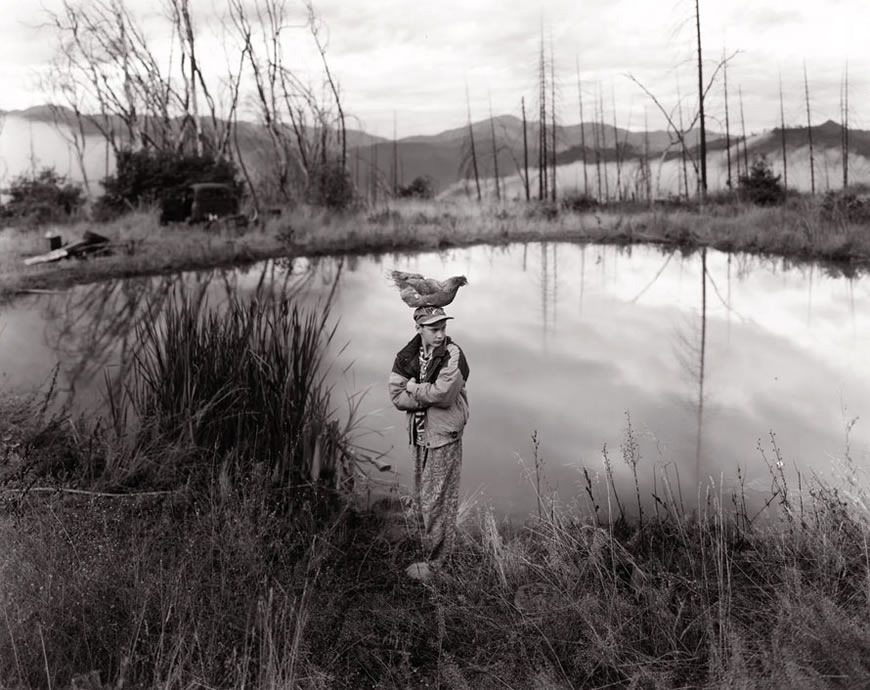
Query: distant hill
[[828, 135], [38, 134], [58, 114]]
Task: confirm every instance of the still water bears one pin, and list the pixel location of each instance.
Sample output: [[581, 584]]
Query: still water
[[567, 342]]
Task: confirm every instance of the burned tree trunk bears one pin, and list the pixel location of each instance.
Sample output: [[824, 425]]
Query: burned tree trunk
[[703, 152], [582, 134], [494, 152], [810, 133], [782, 135], [727, 121], [525, 151]]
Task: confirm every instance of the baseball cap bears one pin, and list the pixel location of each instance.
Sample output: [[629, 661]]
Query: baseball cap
[[426, 316]]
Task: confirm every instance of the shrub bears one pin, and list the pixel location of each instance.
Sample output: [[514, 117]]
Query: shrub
[[333, 188], [761, 186], [420, 188], [578, 203], [146, 177], [42, 197], [845, 205], [542, 210]]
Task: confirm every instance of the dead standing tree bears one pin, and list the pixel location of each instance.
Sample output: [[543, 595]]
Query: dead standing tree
[[307, 133], [106, 74], [702, 93], [104, 66], [525, 150], [494, 152], [743, 131], [782, 137], [728, 182], [684, 154], [543, 187], [844, 119], [553, 120], [473, 150], [810, 133], [582, 133], [679, 133]]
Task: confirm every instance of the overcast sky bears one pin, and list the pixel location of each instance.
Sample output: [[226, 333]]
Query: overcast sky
[[415, 58]]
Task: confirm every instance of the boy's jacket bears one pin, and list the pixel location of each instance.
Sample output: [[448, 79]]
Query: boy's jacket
[[442, 395]]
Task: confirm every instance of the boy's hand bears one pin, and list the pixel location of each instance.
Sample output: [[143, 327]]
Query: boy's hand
[[411, 385]]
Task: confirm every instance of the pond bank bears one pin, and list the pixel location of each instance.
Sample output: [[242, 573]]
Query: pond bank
[[798, 231]]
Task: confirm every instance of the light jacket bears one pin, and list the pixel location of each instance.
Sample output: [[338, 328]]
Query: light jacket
[[442, 395]]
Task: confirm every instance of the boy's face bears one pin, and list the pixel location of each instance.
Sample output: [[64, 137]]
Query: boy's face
[[433, 334]]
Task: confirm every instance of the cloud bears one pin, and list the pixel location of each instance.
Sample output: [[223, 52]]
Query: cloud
[[417, 57], [761, 18]]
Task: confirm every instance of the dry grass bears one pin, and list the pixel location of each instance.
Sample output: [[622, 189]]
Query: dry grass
[[798, 230], [141, 247], [216, 587]]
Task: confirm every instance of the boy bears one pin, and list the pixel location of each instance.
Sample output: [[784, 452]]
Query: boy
[[428, 382]]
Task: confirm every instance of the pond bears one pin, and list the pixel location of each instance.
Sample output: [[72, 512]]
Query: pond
[[703, 355]]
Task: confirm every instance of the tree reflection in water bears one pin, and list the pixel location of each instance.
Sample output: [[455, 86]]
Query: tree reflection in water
[[92, 328]]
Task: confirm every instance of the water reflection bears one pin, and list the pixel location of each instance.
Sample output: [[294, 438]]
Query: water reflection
[[89, 333], [707, 352]]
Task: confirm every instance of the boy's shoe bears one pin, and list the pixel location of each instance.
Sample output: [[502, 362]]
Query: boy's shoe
[[421, 571]]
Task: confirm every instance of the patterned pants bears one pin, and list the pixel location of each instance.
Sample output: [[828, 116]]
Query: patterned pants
[[436, 490]]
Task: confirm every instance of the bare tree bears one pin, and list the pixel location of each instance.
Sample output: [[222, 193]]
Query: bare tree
[[471, 139], [525, 150], [304, 130], [727, 120], [678, 131], [543, 188], [395, 167], [553, 116], [582, 133], [183, 25], [104, 64], [701, 94], [597, 137], [683, 152], [646, 172], [604, 140], [782, 134], [316, 27], [844, 119], [743, 129], [810, 133], [494, 151], [73, 132], [616, 144], [374, 171]]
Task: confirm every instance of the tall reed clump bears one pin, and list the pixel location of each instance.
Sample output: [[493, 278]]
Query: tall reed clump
[[244, 385]]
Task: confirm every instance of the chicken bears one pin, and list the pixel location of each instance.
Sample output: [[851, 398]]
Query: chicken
[[417, 291]]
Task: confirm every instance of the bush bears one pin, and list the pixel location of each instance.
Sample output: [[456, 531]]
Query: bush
[[147, 177], [845, 205], [334, 189], [578, 203], [542, 210], [420, 188], [761, 186], [42, 197]]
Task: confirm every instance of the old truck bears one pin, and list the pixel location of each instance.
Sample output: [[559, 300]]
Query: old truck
[[202, 202]]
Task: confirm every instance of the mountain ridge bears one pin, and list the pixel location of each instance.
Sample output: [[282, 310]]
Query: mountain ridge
[[445, 159]]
